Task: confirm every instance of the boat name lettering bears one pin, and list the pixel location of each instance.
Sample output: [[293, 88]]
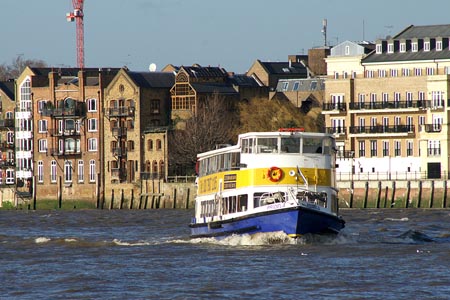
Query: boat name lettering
[[208, 184], [275, 206], [230, 177]]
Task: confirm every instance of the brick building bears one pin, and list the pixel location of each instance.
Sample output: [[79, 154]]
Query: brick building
[[7, 158]]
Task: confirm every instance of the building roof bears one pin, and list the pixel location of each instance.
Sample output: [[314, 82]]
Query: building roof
[[153, 79], [301, 85], [8, 88], [285, 68], [421, 32], [209, 88], [205, 72], [408, 34], [243, 80]]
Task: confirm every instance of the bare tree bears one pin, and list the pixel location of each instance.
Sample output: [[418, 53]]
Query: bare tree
[[212, 124], [17, 66]]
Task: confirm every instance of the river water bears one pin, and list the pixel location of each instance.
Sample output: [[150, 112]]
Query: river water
[[147, 254]]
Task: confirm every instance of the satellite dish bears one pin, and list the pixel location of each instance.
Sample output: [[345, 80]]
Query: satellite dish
[[152, 67]]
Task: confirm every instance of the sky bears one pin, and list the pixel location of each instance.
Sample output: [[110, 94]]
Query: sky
[[228, 33]]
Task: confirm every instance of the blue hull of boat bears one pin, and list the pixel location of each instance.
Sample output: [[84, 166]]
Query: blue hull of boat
[[294, 222]]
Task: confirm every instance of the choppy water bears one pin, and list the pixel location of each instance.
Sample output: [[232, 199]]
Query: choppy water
[[93, 254]]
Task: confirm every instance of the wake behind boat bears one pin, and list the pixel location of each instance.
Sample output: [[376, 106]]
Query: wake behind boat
[[268, 182]]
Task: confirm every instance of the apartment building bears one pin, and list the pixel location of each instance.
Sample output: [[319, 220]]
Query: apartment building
[[7, 159], [137, 114], [389, 108], [59, 131]]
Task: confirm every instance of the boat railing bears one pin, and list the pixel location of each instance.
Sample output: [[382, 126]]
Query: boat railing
[[271, 198], [311, 197]]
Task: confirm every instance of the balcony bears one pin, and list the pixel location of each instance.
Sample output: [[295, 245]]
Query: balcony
[[6, 123], [62, 133], [430, 128], [64, 152], [77, 110], [118, 132], [381, 129], [336, 130], [396, 104], [341, 107], [6, 145], [7, 163], [119, 151], [123, 111]]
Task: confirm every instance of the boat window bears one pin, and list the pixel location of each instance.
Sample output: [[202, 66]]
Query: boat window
[[327, 146], [267, 145], [290, 145], [312, 145], [247, 145], [242, 202]]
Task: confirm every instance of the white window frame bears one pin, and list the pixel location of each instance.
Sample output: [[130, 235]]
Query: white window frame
[[68, 171], [9, 176], [53, 171], [438, 45], [92, 174], [92, 125], [92, 105], [42, 145], [80, 173], [42, 126], [92, 144], [40, 171]]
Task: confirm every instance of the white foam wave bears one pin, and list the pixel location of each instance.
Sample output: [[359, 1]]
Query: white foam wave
[[41, 240], [70, 240], [257, 239], [121, 243], [397, 220]]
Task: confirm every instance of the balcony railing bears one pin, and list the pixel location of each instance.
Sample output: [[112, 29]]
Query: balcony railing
[[64, 152], [382, 129], [119, 151], [78, 110], [431, 127], [57, 132], [6, 145], [119, 131], [397, 104], [123, 111], [336, 130], [6, 123], [7, 163], [342, 107]]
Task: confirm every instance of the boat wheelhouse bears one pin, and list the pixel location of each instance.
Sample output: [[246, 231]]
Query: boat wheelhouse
[[269, 181]]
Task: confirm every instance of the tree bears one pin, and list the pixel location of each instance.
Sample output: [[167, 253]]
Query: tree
[[270, 115], [17, 66], [212, 124]]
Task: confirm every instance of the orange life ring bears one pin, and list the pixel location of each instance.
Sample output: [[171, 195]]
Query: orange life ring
[[274, 174]]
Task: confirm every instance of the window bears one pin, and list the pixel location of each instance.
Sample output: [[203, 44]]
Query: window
[[421, 120], [42, 125], [130, 145], [149, 145], [158, 145], [397, 148], [409, 123], [385, 148], [285, 86], [336, 75], [25, 96], [369, 73], [379, 49], [347, 50], [80, 171], [362, 148], [418, 71], [9, 115], [390, 48], [42, 145], [434, 148], [382, 73], [296, 85], [426, 46], [154, 106], [92, 125], [40, 171], [415, 47], [405, 72], [92, 173], [437, 99], [68, 171], [130, 124], [53, 171], [403, 47], [394, 72], [92, 144], [430, 71], [409, 148], [373, 148], [439, 46], [41, 105], [92, 105], [9, 176]]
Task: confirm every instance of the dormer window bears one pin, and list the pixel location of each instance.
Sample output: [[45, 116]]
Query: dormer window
[[426, 46], [347, 50], [402, 47], [415, 47], [379, 49], [438, 45], [391, 48]]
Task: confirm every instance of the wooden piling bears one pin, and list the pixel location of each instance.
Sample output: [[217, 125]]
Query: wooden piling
[[444, 200], [33, 193], [352, 186], [187, 198], [174, 205], [366, 194], [121, 199], [146, 202], [432, 194], [59, 192], [111, 204], [132, 199], [393, 194], [153, 202], [379, 194], [386, 196], [419, 198]]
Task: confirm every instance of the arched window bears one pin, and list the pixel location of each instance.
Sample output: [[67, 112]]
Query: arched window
[[161, 169], [147, 166], [158, 144], [154, 167], [150, 145], [92, 171], [68, 171]]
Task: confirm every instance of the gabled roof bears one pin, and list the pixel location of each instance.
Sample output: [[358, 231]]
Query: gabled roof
[[243, 80], [153, 79], [8, 88], [209, 88]]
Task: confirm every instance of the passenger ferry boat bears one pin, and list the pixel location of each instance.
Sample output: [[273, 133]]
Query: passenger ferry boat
[[268, 182]]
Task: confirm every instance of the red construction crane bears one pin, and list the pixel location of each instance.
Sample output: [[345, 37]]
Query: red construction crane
[[78, 15]]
